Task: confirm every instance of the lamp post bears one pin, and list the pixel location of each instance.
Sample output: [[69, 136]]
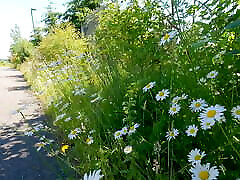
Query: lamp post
[[32, 17]]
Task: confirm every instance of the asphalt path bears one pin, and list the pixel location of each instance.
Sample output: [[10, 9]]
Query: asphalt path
[[19, 159]]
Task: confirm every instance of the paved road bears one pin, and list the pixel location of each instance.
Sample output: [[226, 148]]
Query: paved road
[[19, 159]]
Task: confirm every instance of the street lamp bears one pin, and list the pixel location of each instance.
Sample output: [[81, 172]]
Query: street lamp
[[32, 17]]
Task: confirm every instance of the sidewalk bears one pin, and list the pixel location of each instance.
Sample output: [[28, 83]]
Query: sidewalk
[[19, 159]]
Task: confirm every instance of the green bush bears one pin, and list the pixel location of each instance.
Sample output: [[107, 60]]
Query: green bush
[[62, 42], [21, 50]]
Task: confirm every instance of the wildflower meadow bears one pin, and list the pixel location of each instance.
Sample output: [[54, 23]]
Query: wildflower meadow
[[153, 93]]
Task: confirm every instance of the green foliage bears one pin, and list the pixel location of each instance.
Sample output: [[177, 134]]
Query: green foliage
[[21, 49], [77, 11], [62, 41], [51, 19], [93, 88], [37, 36]]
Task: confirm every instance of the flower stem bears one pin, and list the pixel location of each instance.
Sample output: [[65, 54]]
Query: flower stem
[[230, 142]]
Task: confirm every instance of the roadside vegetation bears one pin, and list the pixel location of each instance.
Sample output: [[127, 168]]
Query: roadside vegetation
[[5, 63], [153, 93]]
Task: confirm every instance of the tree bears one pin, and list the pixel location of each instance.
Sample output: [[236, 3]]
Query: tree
[[20, 49], [77, 11], [51, 18], [15, 33], [37, 36]]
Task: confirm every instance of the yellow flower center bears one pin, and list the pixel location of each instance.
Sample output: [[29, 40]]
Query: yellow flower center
[[88, 140], [237, 112], [64, 148], [211, 113], [198, 157], [174, 109], [192, 131], [197, 105], [74, 132], [148, 86], [203, 175], [171, 134], [161, 94], [166, 37], [208, 123], [40, 145], [118, 134]]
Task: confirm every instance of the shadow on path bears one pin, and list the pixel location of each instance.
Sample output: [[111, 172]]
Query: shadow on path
[[19, 159], [18, 88], [15, 76]]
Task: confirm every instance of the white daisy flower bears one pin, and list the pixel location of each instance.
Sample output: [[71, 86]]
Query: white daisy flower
[[74, 133], [92, 131], [222, 119], [198, 105], [202, 80], [174, 109], [38, 127], [136, 125], [79, 130], [195, 156], [197, 68], [89, 140], [28, 133], [236, 112], [40, 145], [127, 149], [212, 113], [79, 92], [64, 106], [207, 123], [176, 99], [204, 172], [96, 99], [167, 37], [95, 175], [132, 129], [67, 119], [43, 138], [124, 130], [118, 134], [192, 130], [161, 95], [49, 141], [212, 74], [149, 86], [172, 134], [184, 96], [220, 108]]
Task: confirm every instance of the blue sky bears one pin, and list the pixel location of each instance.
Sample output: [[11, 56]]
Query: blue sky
[[19, 12]]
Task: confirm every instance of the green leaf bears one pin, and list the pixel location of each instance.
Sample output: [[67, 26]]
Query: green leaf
[[200, 43], [234, 24]]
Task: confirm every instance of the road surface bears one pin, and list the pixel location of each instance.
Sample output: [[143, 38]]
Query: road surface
[[19, 159]]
